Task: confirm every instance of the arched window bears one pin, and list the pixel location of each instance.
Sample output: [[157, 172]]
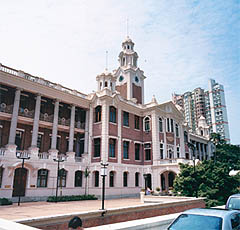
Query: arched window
[[160, 125], [62, 178], [177, 130], [112, 114], [42, 178], [98, 113], [125, 179], [111, 179], [78, 178], [147, 124], [137, 179], [106, 84], [96, 179]]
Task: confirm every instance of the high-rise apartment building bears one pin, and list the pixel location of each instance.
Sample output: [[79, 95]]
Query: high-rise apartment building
[[209, 104]]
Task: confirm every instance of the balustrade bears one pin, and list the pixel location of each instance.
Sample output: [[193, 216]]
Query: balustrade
[[43, 155], [79, 125], [2, 152], [63, 121], [40, 80], [26, 113], [46, 117], [6, 108]]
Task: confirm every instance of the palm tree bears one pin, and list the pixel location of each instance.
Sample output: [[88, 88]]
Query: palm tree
[[86, 175]]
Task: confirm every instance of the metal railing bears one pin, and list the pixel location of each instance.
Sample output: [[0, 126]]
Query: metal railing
[[43, 155], [40, 80], [2, 152]]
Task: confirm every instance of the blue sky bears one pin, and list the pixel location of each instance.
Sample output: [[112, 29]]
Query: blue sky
[[181, 43]]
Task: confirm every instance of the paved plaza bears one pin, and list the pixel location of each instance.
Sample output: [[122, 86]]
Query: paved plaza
[[37, 209]]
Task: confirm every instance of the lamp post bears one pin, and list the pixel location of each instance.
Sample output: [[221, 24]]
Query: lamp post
[[60, 158], [145, 181], [22, 155], [103, 174]]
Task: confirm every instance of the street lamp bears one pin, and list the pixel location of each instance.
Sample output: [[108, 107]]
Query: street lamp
[[22, 155], [145, 180], [103, 174], [60, 158]]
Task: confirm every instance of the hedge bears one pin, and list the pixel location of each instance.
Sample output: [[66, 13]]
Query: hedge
[[5, 201], [71, 198]]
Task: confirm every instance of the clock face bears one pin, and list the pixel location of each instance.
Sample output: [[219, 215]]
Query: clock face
[[136, 79], [121, 78]]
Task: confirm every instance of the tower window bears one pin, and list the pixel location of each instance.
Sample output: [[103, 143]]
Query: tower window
[[112, 114], [121, 78], [106, 84], [98, 111], [136, 79]]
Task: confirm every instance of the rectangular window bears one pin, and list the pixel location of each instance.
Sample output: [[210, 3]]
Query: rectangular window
[[168, 125], [172, 129], [125, 118], [42, 178], [125, 150], [137, 151], [125, 179], [147, 154], [97, 147], [96, 179], [147, 149], [112, 115], [178, 151], [18, 139], [137, 179], [136, 122], [112, 146], [160, 125], [161, 150], [177, 130]]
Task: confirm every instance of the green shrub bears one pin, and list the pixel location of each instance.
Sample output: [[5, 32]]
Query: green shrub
[[71, 198], [5, 201]]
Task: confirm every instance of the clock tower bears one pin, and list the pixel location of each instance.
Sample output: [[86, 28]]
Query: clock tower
[[129, 78]]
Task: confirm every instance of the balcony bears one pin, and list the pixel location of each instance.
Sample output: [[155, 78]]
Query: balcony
[[46, 117], [26, 113], [63, 121], [2, 152], [6, 108], [43, 156], [79, 125]]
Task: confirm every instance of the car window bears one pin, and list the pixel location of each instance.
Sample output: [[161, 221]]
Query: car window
[[196, 222], [235, 221], [234, 203]]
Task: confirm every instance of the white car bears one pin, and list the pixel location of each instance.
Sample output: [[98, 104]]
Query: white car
[[207, 219]]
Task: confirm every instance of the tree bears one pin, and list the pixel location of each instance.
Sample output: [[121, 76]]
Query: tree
[[86, 175], [211, 177]]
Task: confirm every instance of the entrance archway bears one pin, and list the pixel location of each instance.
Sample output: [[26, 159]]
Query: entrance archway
[[19, 182], [171, 177]]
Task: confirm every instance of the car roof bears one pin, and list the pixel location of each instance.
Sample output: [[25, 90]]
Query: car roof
[[235, 195], [210, 212]]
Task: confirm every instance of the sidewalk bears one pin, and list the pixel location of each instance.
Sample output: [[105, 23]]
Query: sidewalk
[[37, 209]]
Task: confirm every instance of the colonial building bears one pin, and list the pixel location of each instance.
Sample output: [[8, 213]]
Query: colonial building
[[44, 120]]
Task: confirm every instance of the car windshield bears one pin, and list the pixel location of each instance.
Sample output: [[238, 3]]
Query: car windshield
[[234, 203], [196, 222]]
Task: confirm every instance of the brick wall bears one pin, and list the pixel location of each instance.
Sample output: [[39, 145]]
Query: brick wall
[[94, 218]]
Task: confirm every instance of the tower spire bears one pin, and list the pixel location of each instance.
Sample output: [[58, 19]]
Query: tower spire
[[106, 60]]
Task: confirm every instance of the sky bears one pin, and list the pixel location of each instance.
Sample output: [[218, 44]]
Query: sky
[[180, 43]]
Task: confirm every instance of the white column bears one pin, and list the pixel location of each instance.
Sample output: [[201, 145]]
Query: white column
[[119, 135], [105, 131], [182, 143], [55, 125], [12, 134], [165, 138], [155, 138], [71, 129], [36, 122], [86, 135], [90, 133]]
